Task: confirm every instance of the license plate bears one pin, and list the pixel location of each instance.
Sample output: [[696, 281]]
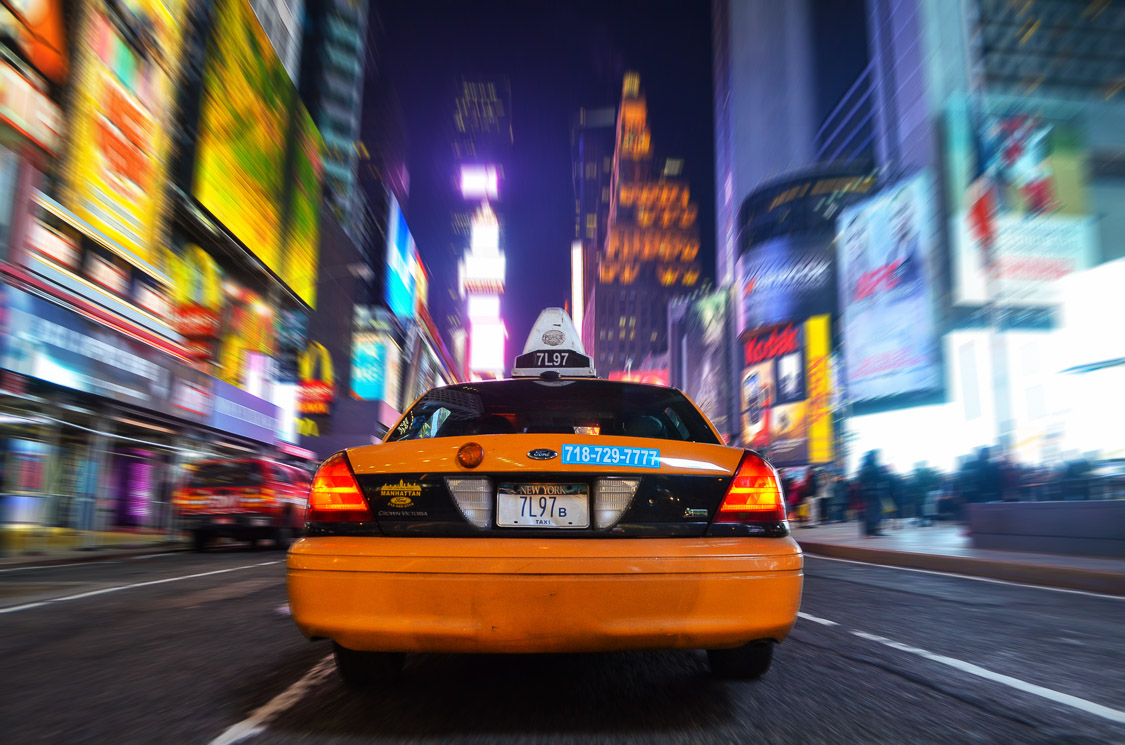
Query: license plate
[[543, 505]]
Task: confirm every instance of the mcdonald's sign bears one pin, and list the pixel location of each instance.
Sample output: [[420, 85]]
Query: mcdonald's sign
[[317, 387]]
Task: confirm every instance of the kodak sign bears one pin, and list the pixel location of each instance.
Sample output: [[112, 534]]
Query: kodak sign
[[777, 343]]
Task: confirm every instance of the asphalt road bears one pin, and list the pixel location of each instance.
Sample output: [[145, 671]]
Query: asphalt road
[[185, 648]]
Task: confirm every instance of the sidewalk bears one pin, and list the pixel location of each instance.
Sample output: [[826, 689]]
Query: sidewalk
[[944, 547], [49, 546]]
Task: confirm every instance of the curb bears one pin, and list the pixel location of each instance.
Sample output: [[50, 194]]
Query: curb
[[1073, 578], [91, 555]]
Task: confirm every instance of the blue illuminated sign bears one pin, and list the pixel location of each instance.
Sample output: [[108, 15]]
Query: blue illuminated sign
[[401, 283]]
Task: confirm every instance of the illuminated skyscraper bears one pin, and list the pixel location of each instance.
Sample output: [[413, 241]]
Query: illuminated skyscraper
[[591, 149], [482, 283], [481, 145], [482, 139], [651, 249], [332, 69]]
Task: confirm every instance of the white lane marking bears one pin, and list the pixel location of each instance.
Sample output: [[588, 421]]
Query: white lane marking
[[117, 588], [75, 565], [152, 556], [969, 576], [1021, 685], [816, 619], [263, 715]]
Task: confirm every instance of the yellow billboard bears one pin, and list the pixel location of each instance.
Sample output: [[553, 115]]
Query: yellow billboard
[[124, 99], [249, 115]]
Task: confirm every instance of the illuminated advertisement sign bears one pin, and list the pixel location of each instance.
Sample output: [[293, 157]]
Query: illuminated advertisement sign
[[316, 381], [248, 115], [421, 284], [375, 358], [786, 279], [486, 345], [240, 413], [302, 244], [785, 393], [42, 340], [479, 182], [37, 28], [1016, 184], [887, 293], [699, 356], [197, 295], [24, 107], [248, 329], [401, 282], [124, 96]]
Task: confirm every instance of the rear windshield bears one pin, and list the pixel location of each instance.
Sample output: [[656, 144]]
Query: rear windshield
[[586, 407], [229, 473]]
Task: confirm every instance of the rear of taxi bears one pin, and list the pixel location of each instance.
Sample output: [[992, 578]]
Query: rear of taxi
[[546, 515]]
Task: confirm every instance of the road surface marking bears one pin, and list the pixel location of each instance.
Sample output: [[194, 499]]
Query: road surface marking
[[816, 619], [969, 576], [263, 715], [116, 588], [1021, 685], [75, 565]]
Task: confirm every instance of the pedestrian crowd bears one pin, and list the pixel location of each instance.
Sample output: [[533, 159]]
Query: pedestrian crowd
[[876, 495]]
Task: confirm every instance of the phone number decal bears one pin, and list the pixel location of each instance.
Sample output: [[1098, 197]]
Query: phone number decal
[[610, 455]]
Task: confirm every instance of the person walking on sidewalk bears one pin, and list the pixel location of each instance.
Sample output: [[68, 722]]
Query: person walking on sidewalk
[[812, 496], [838, 499], [873, 490]]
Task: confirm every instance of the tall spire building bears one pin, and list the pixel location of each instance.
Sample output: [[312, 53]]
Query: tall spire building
[[651, 249]]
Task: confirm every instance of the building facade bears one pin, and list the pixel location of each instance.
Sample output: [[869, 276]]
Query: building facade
[[651, 248], [332, 88], [592, 140], [481, 147]]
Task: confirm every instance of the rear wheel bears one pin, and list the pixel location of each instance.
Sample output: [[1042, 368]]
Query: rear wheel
[[199, 540], [364, 669], [747, 662]]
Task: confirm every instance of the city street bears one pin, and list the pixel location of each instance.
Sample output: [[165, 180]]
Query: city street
[[186, 648]]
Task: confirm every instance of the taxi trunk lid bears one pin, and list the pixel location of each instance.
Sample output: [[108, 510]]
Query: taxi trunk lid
[[605, 485]]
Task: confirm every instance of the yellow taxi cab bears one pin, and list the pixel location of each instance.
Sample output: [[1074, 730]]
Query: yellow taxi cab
[[550, 512]]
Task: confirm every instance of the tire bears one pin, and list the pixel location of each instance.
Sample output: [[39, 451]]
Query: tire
[[199, 540], [748, 662], [366, 669], [283, 537]]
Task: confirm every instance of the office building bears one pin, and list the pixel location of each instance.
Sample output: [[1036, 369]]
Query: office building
[[332, 87], [592, 140], [283, 22], [481, 146], [651, 249]]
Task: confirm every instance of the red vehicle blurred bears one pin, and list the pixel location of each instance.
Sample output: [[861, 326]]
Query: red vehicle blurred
[[251, 499]]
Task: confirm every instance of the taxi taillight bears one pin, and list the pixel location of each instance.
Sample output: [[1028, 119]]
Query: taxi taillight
[[754, 495], [335, 495]]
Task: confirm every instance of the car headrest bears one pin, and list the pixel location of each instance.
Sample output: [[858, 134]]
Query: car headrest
[[644, 426], [494, 424]]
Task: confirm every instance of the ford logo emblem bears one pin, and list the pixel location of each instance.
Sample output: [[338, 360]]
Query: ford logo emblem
[[542, 454]]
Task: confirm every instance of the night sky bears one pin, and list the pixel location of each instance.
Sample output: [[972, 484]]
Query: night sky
[[559, 57]]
